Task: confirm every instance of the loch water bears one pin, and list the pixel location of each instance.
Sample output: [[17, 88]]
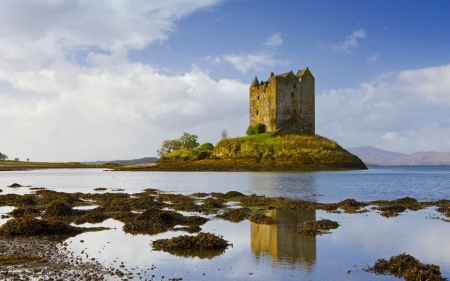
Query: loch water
[[269, 252]]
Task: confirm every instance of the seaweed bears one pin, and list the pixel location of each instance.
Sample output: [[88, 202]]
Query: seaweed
[[262, 219], [212, 203], [407, 266], [313, 228], [57, 209], [203, 245], [235, 215], [28, 226]]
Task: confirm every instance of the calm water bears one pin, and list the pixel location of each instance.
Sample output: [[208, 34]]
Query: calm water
[[422, 182], [262, 252]]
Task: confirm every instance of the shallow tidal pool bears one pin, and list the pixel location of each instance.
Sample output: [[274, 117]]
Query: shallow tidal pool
[[275, 252]]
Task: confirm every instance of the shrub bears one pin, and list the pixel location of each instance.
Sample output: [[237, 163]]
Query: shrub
[[257, 129], [207, 146], [250, 130], [260, 128]]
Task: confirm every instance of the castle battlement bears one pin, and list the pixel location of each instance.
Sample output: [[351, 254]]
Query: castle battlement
[[284, 103]]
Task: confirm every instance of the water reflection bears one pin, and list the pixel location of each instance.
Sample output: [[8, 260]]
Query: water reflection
[[281, 243]]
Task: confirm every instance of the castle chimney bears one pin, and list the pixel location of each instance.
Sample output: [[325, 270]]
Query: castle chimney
[[271, 74]]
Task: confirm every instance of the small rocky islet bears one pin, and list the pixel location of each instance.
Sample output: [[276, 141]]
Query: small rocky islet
[[44, 214]]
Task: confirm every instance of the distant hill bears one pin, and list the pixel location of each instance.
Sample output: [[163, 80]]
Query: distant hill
[[145, 160], [373, 155]]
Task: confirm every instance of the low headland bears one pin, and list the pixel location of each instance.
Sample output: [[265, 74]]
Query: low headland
[[260, 152], [22, 165]]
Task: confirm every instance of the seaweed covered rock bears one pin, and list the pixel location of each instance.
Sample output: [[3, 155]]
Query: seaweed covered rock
[[25, 211], [350, 205], [407, 266], [94, 216], [262, 219], [391, 210], [28, 226], [235, 215], [153, 221], [202, 241], [58, 209], [313, 228], [212, 203]]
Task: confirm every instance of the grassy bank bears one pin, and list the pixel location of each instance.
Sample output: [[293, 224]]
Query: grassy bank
[[22, 165], [263, 153]]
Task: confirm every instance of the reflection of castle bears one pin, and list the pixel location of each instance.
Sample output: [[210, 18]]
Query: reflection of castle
[[281, 243]]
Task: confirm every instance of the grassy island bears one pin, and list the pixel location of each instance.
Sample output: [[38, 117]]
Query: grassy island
[[262, 152]]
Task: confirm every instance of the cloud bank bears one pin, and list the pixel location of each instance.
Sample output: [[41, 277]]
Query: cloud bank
[[405, 111]]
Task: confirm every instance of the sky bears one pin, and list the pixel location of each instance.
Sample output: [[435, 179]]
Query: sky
[[112, 79]]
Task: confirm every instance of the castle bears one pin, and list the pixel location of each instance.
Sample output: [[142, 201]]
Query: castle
[[284, 103]]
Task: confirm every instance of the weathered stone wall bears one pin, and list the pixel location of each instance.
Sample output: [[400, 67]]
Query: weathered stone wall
[[262, 104], [308, 112], [282, 97], [289, 98]]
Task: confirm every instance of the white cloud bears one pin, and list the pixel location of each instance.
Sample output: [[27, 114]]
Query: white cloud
[[405, 111], [351, 41], [53, 108], [372, 58], [255, 61], [274, 40]]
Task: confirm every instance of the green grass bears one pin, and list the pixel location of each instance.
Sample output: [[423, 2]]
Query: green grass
[[258, 136], [29, 163], [262, 145]]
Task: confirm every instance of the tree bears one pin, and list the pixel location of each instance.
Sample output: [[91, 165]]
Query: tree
[[207, 146], [28, 159], [224, 134], [188, 141], [16, 159], [3, 157], [168, 146]]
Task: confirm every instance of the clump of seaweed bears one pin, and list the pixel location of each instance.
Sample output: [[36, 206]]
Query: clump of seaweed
[[212, 203], [92, 216], [25, 211], [25, 201], [200, 194], [100, 189], [407, 266], [150, 221], [262, 219], [391, 210], [29, 226], [313, 228], [15, 185], [233, 194], [202, 241], [58, 209], [193, 220], [235, 215], [350, 205], [116, 205]]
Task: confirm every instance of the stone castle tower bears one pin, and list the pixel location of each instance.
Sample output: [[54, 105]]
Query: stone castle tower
[[284, 103]]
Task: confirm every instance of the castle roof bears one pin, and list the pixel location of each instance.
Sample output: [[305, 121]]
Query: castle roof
[[255, 82], [284, 74], [302, 72]]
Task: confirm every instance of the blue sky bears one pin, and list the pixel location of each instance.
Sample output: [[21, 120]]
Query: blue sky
[[93, 80]]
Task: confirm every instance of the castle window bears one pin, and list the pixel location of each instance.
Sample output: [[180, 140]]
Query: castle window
[[292, 94], [294, 112], [294, 86], [256, 112], [258, 97]]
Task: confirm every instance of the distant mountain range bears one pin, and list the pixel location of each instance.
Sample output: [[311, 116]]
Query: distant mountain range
[[376, 156], [145, 160]]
